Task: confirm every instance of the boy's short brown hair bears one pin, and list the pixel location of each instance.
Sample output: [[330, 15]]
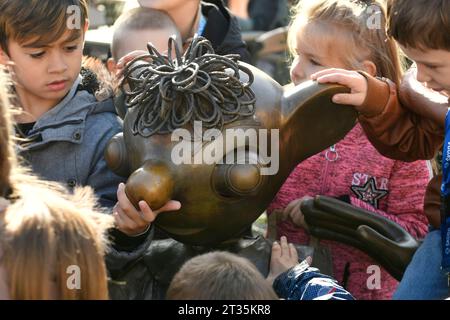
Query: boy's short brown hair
[[40, 21], [420, 24], [219, 276]]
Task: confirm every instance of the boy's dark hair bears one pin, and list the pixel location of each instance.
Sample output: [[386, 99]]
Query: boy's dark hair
[[420, 24], [140, 19], [40, 21], [219, 276]]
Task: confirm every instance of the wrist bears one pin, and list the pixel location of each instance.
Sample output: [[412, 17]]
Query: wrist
[[377, 96], [139, 232]]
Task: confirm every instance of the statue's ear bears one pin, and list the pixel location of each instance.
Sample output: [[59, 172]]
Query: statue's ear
[[119, 104]]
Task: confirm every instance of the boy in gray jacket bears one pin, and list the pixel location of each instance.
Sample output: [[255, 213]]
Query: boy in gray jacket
[[65, 126]]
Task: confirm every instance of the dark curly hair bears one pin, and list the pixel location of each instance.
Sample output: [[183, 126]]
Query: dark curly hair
[[198, 86]]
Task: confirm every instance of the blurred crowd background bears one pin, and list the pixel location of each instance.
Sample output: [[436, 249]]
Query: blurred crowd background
[[263, 24]]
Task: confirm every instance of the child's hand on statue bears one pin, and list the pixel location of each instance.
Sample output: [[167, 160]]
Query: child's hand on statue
[[294, 213], [134, 222], [284, 256]]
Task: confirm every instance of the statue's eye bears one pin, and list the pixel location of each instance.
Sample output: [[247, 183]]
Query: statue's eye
[[238, 179]]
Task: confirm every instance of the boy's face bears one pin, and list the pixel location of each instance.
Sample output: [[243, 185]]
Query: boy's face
[[433, 68], [44, 73]]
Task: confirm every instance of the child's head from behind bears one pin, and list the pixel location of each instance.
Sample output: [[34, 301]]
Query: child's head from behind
[[53, 244], [139, 26], [44, 39], [422, 28], [339, 34], [219, 276]]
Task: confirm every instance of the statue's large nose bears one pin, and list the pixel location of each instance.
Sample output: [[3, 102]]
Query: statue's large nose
[[152, 183]]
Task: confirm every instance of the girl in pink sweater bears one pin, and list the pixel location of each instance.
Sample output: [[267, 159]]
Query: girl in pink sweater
[[350, 35]]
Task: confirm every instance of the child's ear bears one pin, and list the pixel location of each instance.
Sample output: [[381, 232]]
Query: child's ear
[[369, 67], [86, 26], [3, 57], [85, 29], [111, 65]]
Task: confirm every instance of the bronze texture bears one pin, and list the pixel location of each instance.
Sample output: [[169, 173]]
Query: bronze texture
[[219, 200]]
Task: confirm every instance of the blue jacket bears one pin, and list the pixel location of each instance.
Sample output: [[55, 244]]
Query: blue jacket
[[303, 282], [67, 145]]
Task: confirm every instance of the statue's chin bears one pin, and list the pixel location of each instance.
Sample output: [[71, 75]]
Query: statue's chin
[[200, 236]]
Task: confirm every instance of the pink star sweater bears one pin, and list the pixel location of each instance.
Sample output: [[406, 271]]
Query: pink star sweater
[[391, 188]]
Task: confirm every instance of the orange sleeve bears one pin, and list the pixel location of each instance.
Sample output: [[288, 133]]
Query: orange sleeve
[[396, 131]]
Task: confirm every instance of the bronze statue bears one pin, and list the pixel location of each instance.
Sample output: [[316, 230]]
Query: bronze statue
[[219, 200], [382, 239], [167, 99]]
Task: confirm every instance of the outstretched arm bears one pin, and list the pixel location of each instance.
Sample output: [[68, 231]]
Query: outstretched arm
[[409, 131]]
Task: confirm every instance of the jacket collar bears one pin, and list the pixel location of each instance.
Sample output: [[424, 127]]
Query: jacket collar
[[217, 24], [64, 122]]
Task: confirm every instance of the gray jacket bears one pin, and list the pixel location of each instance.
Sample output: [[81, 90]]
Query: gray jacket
[[67, 144]]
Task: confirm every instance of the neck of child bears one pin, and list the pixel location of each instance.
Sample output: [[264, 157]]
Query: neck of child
[[32, 107], [187, 27]]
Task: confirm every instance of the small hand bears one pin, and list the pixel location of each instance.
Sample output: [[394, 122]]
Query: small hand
[[294, 213], [133, 222], [284, 256], [351, 79]]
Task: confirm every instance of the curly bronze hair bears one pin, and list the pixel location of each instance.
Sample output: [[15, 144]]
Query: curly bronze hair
[[198, 86]]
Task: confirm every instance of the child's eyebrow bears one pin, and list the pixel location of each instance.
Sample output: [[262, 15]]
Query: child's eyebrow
[[36, 44], [41, 43], [430, 63], [311, 55], [73, 36]]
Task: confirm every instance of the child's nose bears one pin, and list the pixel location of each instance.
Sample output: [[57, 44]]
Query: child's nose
[[57, 63], [422, 75], [297, 73]]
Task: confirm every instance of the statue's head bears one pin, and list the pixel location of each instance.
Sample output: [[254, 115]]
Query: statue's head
[[218, 135]]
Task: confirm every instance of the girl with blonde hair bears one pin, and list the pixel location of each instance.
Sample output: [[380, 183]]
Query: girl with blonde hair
[[350, 34], [52, 243]]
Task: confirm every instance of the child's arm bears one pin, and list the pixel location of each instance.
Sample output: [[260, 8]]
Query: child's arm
[[421, 100], [396, 131], [292, 280]]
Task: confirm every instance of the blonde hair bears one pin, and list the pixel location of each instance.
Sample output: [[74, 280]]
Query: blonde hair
[[44, 230], [364, 40], [48, 235], [7, 158]]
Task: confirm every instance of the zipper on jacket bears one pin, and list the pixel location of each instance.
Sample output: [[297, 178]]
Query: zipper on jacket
[[331, 155]]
